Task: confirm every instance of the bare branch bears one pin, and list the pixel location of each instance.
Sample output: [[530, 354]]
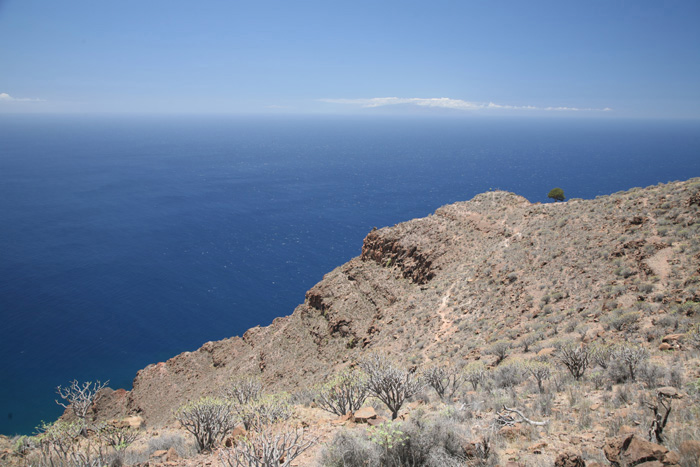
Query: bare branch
[[575, 357], [80, 397], [345, 393], [445, 380], [389, 384], [244, 390], [523, 417], [208, 419], [270, 447]]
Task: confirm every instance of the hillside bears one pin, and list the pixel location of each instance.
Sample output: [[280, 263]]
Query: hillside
[[623, 268]]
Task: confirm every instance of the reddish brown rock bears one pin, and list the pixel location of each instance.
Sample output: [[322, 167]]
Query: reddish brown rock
[[672, 338], [537, 448], [237, 433], [376, 421], [631, 450], [568, 459], [365, 414]]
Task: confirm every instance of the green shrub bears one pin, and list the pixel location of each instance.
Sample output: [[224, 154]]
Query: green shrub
[[499, 349], [557, 194], [344, 393], [509, 374], [209, 420]]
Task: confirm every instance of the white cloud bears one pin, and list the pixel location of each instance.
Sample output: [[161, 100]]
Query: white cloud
[[5, 97], [447, 103]]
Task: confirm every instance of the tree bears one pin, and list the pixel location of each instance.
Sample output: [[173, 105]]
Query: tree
[[271, 446], [344, 393], [540, 371], [80, 397], [208, 419], [500, 349], [557, 194], [575, 357], [390, 384], [445, 380]]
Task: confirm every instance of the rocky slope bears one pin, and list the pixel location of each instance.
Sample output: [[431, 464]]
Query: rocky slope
[[447, 286]]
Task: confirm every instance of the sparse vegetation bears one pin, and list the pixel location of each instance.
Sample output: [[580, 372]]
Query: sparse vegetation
[[579, 336]]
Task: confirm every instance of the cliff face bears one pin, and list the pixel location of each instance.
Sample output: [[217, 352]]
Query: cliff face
[[445, 286]]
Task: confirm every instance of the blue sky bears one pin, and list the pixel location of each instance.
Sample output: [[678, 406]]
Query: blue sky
[[611, 58]]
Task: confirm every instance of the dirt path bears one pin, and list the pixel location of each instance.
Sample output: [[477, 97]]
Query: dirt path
[[446, 325]]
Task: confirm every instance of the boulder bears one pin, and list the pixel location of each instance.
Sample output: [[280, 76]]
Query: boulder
[[568, 459], [365, 414], [162, 455], [670, 392], [135, 421], [672, 338], [376, 421], [537, 448], [631, 450], [232, 439]]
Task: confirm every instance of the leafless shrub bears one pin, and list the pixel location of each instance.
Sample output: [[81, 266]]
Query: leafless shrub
[[344, 393], [475, 373], [446, 380], [528, 340], [80, 397], [575, 357], [118, 438], [208, 419], [243, 390], [540, 371], [625, 361], [388, 383], [601, 354], [61, 445], [499, 349], [265, 410], [271, 446], [651, 374]]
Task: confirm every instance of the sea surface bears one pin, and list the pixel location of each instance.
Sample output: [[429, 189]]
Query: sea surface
[[127, 240]]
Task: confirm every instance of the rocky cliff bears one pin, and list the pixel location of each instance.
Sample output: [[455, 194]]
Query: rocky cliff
[[446, 286]]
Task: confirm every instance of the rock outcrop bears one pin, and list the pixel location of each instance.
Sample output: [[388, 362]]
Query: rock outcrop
[[631, 450]]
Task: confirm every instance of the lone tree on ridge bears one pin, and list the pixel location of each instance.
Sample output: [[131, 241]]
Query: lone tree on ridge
[[557, 194]]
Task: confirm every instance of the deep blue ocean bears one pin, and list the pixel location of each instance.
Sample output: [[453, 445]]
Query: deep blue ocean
[[127, 240]]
